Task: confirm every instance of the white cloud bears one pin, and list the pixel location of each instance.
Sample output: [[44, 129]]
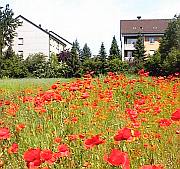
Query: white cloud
[[91, 21]]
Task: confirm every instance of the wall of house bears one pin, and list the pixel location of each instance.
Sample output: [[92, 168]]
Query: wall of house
[[33, 40], [150, 47], [55, 46]]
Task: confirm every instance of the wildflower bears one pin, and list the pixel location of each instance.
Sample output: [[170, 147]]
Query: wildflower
[[13, 149], [85, 95], [57, 140], [54, 86], [20, 126], [95, 140], [46, 155], [164, 122], [63, 150], [152, 167], [74, 119], [4, 133], [118, 158], [176, 115], [32, 157], [123, 134]]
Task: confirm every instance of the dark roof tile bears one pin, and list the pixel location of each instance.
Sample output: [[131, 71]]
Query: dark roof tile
[[144, 26]]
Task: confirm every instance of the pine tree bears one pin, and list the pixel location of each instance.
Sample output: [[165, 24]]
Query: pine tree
[[139, 52], [114, 50], [102, 57], [73, 61], [77, 46], [171, 38], [102, 53], [8, 26], [86, 53]]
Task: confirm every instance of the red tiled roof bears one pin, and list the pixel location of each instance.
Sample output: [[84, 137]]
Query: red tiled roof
[[144, 26]]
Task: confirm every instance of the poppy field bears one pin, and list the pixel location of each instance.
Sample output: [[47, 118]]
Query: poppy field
[[97, 123]]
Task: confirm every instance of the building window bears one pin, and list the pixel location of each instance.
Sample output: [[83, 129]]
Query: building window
[[131, 41], [151, 52], [20, 53], [20, 41], [151, 39]]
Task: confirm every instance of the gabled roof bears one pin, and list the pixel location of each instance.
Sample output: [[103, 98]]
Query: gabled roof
[[144, 26], [45, 31]]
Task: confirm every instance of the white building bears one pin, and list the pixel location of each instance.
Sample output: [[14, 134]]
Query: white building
[[31, 39]]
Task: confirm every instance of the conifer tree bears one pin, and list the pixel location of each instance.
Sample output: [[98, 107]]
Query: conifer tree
[[102, 53], [114, 50], [73, 61], [86, 53], [102, 58], [139, 52]]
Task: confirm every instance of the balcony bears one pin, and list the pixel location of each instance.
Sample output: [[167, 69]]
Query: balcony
[[129, 47]]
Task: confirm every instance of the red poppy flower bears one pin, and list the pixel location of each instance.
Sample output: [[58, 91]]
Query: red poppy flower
[[63, 150], [164, 122], [152, 167], [123, 134], [32, 157], [46, 155], [57, 140], [13, 149], [176, 115], [118, 158], [85, 95], [4, 133], [95, 140], [20, 126], [54, 86]]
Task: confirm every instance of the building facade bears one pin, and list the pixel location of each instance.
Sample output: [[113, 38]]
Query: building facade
[[31, 39], [150, 29]]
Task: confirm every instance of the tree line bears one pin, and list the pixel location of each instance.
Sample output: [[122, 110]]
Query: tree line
[[76, 62]]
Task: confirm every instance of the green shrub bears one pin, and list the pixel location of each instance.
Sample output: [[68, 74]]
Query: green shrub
[[12, 66], [117, 65], [36, 65]]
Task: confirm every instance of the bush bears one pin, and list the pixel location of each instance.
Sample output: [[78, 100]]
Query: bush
[[12, 66], [172, 62], [153, 65], [36, 65], [117, 65]]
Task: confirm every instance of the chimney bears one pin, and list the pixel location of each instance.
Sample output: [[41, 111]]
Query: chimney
[[138, 17], [40, 25]]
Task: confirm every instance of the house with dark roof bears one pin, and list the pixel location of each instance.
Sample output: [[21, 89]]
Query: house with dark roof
[[32, 38], [150, 29]]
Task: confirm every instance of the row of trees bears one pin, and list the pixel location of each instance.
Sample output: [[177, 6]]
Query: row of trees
[[76, 62]]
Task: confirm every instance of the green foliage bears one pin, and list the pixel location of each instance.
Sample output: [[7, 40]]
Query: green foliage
[[102, 53], [56, 69], [153, 64], [36, 65], [139, 52], [92, 65], [8, 26], [114, 50], [117, 65], [167, 60], [12, 65], [172, 62], [85, 53], [73, 62], [171, 38]]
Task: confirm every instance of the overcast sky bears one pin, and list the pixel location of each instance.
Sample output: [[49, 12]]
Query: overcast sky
[[90, 21]]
